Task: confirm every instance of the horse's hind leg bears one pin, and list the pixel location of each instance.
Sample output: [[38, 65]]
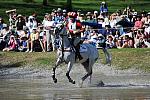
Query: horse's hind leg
[[70, 64], [54, 68], [88, 67]]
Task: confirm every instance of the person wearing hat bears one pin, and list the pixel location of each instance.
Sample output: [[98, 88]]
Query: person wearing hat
[[12, 44], [110, 41], [31, 23], [58, 18], [75, 28], [95, 15], [20, 22], [34, 36], [90, 19]]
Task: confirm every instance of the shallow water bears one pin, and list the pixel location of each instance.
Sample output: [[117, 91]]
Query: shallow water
[[36, 84], [41, 89]]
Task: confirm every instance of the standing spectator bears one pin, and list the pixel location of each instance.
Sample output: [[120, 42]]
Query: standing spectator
[[1, 23], [42, 38], [20, 22], [49, 28], [103, 8], [31, 23], [59, 17], [113, 20]]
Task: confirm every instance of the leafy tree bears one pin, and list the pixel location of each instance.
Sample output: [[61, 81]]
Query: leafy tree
[[45, 2], [69, 5]]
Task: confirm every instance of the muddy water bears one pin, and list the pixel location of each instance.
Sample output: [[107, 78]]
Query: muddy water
[[36, 84]]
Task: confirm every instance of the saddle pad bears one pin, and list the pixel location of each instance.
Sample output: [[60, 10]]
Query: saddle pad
[[83, 48]]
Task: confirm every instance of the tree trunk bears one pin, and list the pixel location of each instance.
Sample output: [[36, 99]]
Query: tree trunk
[[45, 2], [69, 5]]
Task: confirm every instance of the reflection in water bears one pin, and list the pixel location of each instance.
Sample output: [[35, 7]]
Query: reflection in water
[[43, 89]]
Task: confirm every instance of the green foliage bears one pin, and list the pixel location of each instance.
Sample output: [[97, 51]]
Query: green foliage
[[51, 1], [28, 1]]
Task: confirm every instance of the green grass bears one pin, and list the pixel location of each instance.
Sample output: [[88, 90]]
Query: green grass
[[121, 59], [85, 5], [131, 58]]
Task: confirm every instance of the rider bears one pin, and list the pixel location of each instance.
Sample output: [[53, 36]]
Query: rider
[[75, 28]]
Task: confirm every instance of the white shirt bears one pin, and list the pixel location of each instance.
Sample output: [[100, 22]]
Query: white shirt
[[49, 23]]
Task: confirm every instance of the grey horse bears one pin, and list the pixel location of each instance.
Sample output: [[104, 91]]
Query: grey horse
[[66, 53]]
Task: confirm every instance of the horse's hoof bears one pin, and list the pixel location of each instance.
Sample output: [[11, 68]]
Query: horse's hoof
[[72, 81], [100, 84], [55, 80]]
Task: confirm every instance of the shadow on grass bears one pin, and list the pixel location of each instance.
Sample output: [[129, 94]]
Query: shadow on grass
[[13, 65]]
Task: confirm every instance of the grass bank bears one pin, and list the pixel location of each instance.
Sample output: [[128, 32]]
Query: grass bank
[[121, 59]]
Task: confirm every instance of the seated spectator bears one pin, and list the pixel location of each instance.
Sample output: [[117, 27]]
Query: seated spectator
[[89, 18], [23, 44], [127, 42], [138, 23], [107, 30], [86, 34], [11, 44], [34, 36], [101, 21], [147, 32], [139, 36], [93, 39], [113, 20], [110, 42], [101, 41], [95, 15], [124, 22]]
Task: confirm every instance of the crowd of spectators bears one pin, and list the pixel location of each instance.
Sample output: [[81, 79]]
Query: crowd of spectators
[[121, 29]]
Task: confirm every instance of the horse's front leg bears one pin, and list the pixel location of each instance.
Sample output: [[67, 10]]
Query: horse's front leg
[[54, 68], [70, 64]]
